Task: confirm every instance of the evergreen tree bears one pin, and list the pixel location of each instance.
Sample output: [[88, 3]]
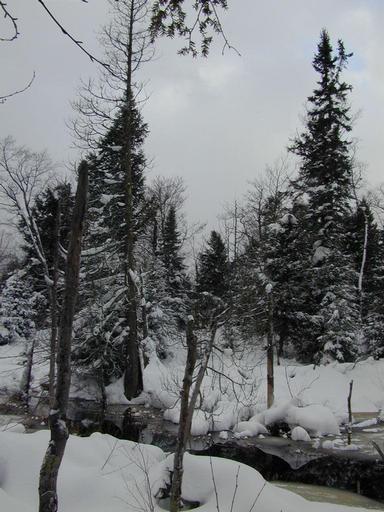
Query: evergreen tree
[[325, 184], [19, 308], [213, 267], [44, 213], [173, 261], [104, 327]]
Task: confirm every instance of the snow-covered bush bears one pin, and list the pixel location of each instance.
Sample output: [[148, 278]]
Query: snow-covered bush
[[19, 307]]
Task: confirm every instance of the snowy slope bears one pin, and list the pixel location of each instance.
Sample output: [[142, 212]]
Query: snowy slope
[[100, 473]]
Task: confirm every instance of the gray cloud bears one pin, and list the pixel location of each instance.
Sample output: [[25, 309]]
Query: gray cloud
[[216, 122]]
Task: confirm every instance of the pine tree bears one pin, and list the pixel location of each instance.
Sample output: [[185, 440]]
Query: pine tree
[[19, 308], [173, 261], [100, 343], [325, 184], [213, 267], [44, 213]]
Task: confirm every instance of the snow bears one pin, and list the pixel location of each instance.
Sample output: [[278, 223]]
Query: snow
[[115, 392], [250, 428], [366, 423], [101, 473], [233, 389], [299, 434]]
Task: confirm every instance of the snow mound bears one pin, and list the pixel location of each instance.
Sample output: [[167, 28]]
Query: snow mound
[[317, 420], [17, 428], [101, 473], [250, 428], [299, 434], [201, 422]]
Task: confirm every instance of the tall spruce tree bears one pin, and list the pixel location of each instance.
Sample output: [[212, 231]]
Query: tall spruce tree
[[101, 342], [110, 109], [325, 184], [213, 267], [172, 259]]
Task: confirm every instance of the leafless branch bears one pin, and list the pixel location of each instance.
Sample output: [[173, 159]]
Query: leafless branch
[[12, 19], [3, 99], [77, 42]]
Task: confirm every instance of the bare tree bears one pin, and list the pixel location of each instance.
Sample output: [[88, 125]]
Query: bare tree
[[57, 417], [197, 350], [4, 249], [23, 174]]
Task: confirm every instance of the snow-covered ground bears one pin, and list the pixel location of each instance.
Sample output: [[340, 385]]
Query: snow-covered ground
[[101, 473], [233, 394], [234, 391]]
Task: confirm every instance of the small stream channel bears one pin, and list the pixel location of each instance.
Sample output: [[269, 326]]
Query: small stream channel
[[314, 472]]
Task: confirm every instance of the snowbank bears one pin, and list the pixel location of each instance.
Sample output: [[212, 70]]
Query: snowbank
[[100, 473], [234, 389]]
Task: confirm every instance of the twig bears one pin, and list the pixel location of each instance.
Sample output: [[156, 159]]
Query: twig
[[214, 484], [236, 487], [257, 497], [12, 19], [378, 449], [77, 42], [3, 99]]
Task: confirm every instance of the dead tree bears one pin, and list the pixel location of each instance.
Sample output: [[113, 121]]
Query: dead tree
[[48, 501]]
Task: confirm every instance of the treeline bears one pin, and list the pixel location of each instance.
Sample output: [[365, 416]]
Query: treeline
[[302, 252]]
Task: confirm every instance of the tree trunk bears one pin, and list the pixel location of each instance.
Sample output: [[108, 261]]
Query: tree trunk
[[187, 407], [349, 429], [362, 267], [27, 374], [54, 307], [270, 376], [184, 428], [48, 501], [144, 317], [133, 379]]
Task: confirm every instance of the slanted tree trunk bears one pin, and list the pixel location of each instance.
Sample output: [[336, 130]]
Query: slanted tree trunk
[[48, 501], [187, 407], [363, 263], [184, 421]]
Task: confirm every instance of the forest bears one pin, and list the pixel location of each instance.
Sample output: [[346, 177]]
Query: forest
[[114, 297]]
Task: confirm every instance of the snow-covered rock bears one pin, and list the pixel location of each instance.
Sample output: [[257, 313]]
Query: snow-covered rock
[[250, 428], [299, 434]]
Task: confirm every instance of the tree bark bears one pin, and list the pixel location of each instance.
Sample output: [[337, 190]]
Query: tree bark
[[27, 374], [349, 429], [133, 380], [54, 307], [187, 407], [183, 432], [48, 501], [270, 376]]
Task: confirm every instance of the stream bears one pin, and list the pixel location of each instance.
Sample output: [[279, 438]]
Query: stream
[[328, 495], [308, 469]]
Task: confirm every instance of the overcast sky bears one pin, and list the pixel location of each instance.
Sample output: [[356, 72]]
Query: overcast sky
[[216, 122]]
